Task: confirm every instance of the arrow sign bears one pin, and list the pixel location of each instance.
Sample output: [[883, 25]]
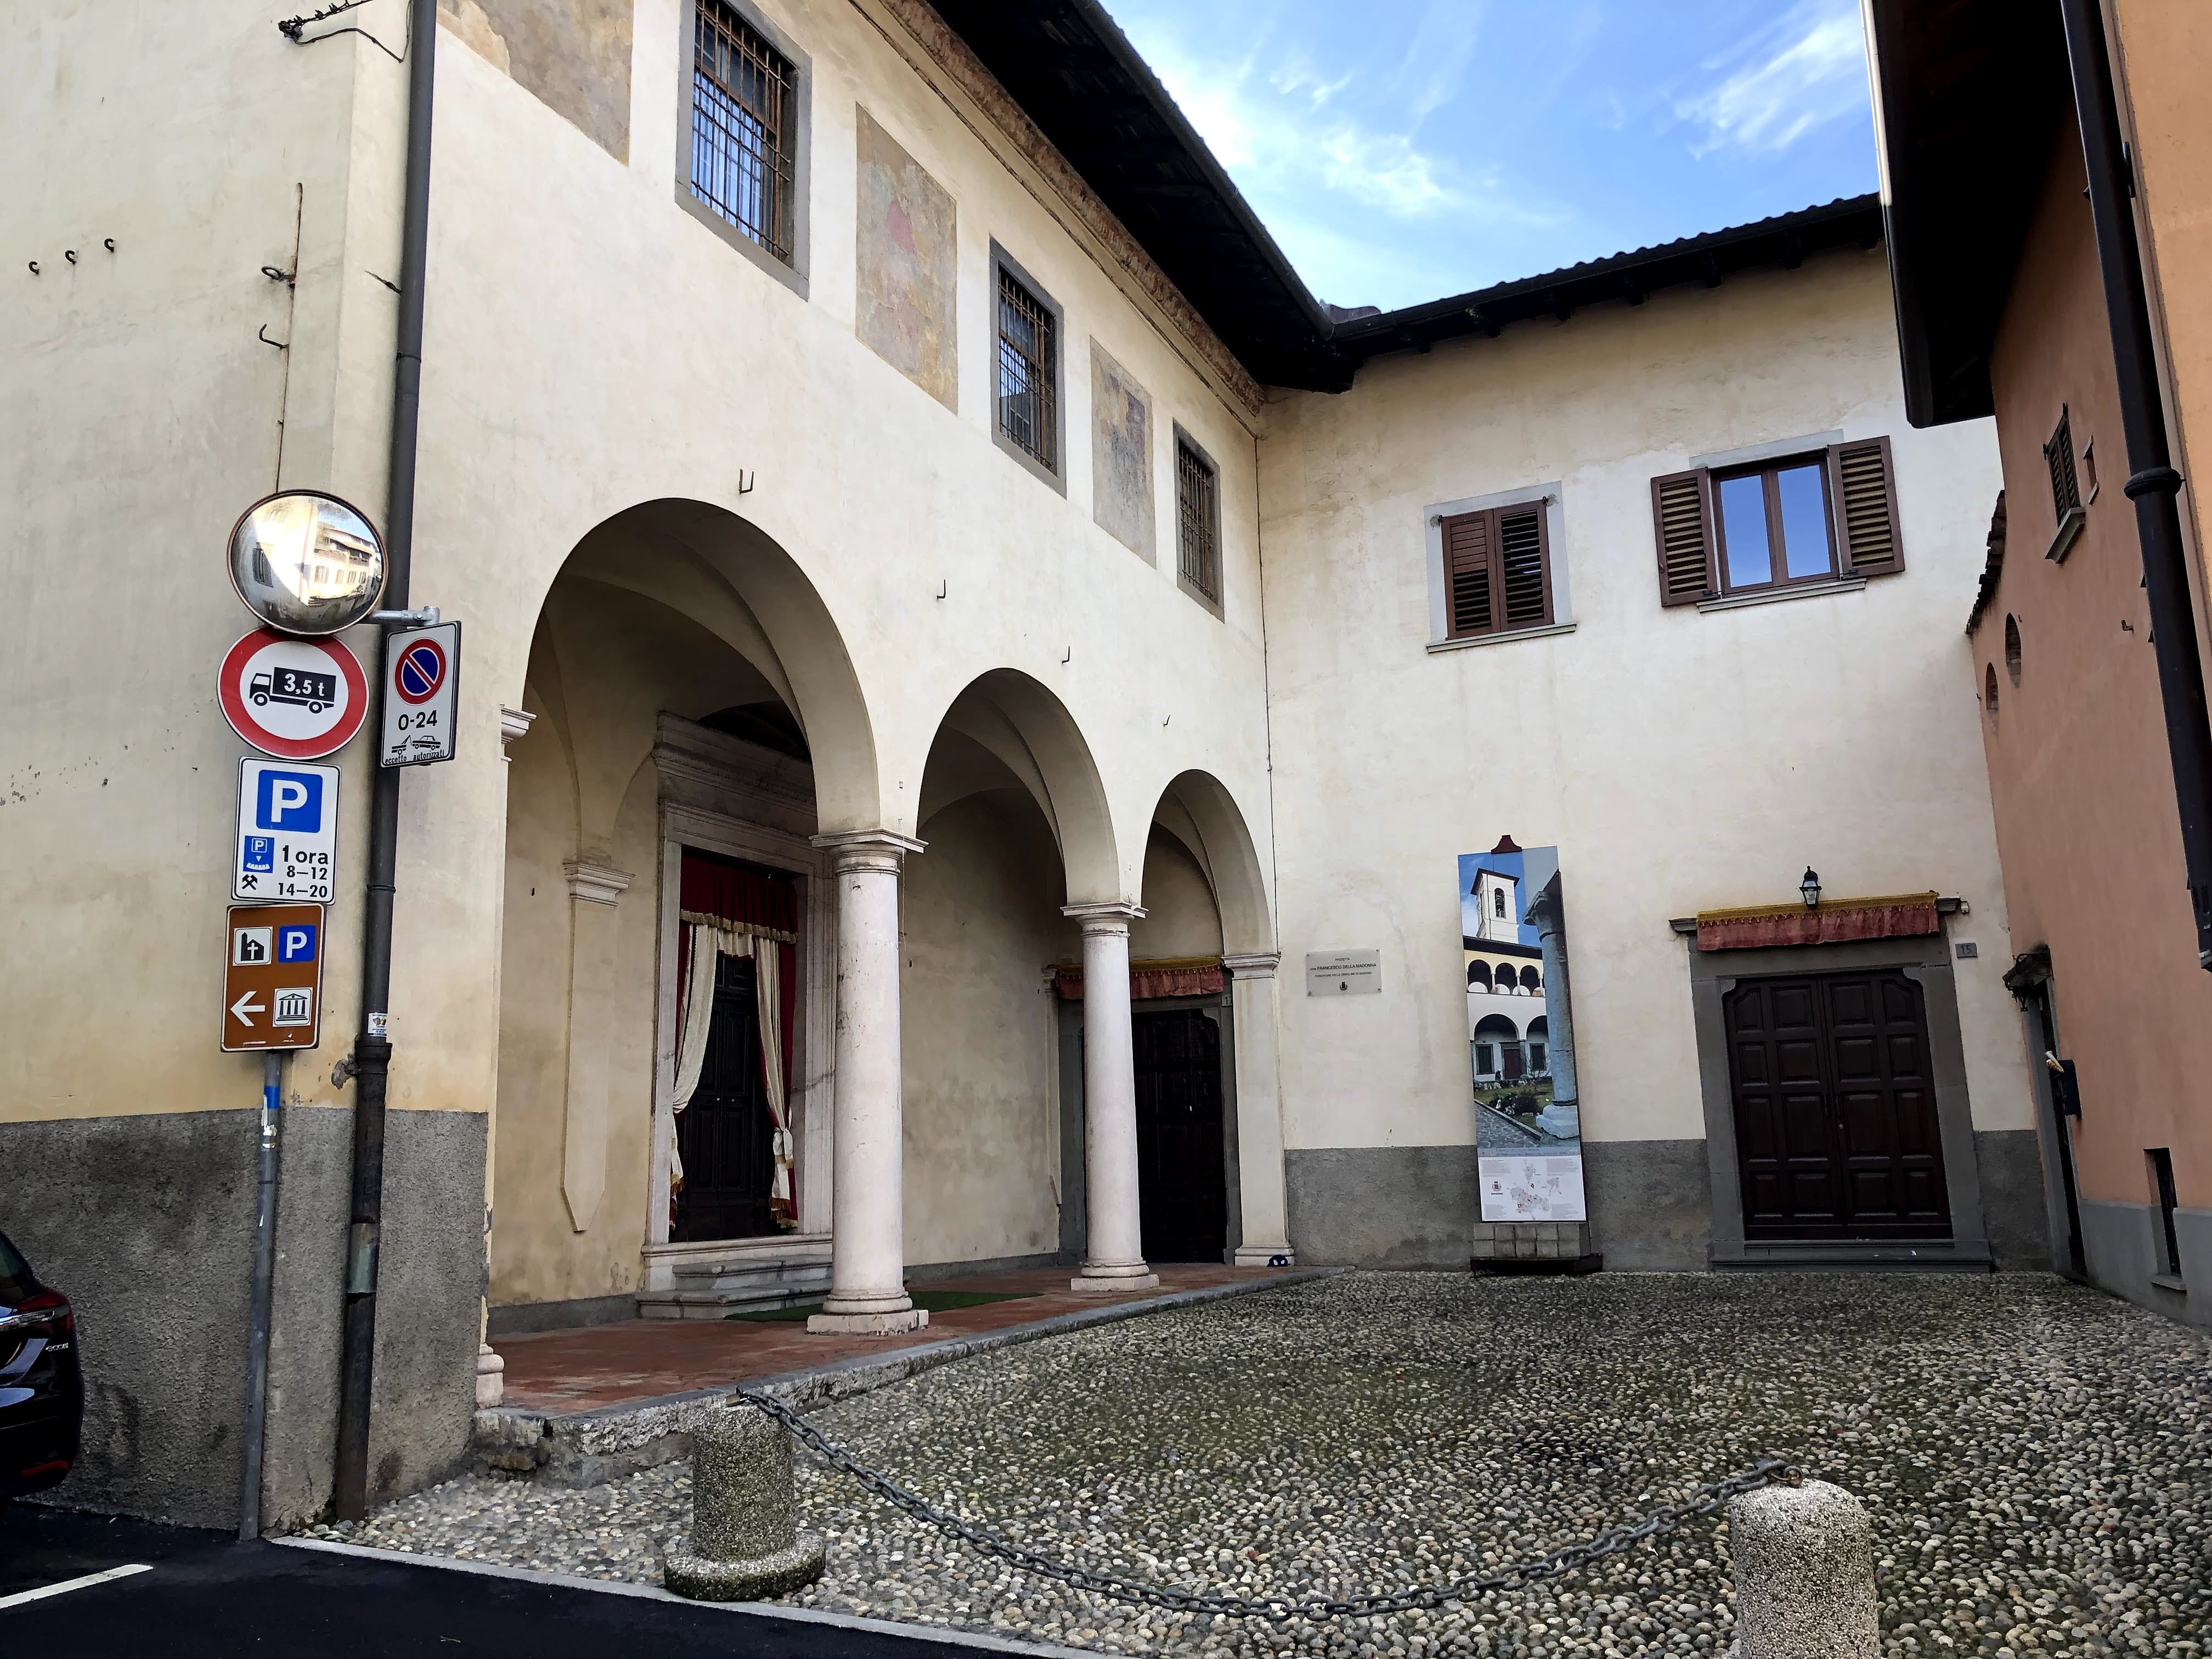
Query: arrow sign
[[272, 981]]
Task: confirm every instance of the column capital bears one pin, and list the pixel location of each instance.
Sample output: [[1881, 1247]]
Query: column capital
[[1254, 964], [515, 724], [1104, 916], [867, 849], [596, 883]]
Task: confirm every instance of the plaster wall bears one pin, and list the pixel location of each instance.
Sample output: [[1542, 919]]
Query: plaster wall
[[979, 919], [2077, 747], [1679, 760]]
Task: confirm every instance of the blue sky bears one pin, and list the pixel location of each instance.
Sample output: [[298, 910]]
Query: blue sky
[[1400, 150]]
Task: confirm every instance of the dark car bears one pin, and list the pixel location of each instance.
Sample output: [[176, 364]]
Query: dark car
[[41, 1390]]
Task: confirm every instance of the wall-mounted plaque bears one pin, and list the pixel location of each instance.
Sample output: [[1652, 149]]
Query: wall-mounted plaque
[[1343, 973]]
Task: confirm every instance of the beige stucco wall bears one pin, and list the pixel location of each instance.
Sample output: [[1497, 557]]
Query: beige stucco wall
[[1679, 760]]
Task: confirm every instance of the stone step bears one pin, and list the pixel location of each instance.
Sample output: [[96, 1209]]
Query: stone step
[[709, 1290]]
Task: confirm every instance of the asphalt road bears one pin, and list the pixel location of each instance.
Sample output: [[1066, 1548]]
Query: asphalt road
[[208, 1596]]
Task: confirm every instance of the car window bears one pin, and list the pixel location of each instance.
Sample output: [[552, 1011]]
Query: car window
[[16, 1279]]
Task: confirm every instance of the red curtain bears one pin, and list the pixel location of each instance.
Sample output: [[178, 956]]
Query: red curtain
[[1147, 982]]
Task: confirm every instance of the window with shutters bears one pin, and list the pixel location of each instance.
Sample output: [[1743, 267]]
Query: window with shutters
[[1813, 519], [1027, 423], [1198, 524], [2058, 456], [1498, 571]]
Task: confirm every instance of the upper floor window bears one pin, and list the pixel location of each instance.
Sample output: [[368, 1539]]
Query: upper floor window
[[2058, 456], [1498, 570], [1764, 526], [1775, 524], [744, 128], [1198, 523], [1029, 372]]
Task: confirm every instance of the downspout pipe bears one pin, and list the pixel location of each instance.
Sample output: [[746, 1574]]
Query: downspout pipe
[[2153, 484], [372, 1050]]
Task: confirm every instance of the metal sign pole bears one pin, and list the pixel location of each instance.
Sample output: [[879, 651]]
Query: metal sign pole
[[265, 1276]]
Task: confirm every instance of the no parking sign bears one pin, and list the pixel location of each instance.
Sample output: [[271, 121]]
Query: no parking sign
[[422, 675]]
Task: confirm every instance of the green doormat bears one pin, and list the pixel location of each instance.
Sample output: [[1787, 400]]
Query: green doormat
[[930, 1301]]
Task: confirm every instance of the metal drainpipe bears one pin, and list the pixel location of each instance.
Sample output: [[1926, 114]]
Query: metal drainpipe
[[372, 1050], [2153, 483]]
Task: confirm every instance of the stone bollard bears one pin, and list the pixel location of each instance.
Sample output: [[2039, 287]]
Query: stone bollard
[[744, 1542], [1804, 1574]]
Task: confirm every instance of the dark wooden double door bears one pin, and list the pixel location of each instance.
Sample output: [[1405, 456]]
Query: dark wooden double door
[[1181, 1171], [726, 1135], [1836, 1127]]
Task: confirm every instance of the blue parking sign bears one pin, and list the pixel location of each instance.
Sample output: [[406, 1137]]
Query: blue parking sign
[[288, 800], [296, 942], [286, 847]]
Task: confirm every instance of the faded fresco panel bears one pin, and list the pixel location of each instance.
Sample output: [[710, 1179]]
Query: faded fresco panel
[[572, 55], [1122, 455], [906, 252]]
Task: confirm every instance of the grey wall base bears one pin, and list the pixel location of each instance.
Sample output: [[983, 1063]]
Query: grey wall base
[[146, 1223], [523, 1318], [1650, 1205], [1420, 1206], [2124, 1251], [2010, 1164]]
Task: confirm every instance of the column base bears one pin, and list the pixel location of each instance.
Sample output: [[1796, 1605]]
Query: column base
[[491, 1378], [1266, 1255], [1114, 1285], [867, 1324]]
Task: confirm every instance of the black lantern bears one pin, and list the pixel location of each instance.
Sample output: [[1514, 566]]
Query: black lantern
[[1810, 887]]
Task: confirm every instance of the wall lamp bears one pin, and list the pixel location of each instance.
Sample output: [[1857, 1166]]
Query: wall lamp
[[1810, 888]]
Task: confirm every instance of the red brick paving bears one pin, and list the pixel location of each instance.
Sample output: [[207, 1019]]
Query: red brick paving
[[604, 1365]]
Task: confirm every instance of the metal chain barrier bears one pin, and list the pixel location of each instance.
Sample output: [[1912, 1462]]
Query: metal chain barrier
[[1706, 1500]]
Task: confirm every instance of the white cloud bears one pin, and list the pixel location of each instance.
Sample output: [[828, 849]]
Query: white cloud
[[1807, 69]]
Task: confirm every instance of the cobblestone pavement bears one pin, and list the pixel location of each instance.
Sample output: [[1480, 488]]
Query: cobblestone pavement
[[2037, 1459]]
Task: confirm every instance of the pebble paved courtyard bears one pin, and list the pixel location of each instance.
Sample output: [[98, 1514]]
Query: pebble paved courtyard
[[2037, 1458]]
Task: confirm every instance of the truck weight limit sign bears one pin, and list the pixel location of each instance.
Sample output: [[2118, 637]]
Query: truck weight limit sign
[[288, 831], [422, 675], [272, 979], [295, 699]]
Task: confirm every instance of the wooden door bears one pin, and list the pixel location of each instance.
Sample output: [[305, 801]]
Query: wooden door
[[1181, 1177], [725, 1134], [1836, 1125]]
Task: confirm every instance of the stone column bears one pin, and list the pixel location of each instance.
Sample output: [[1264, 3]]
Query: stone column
[[514, 725], [594, 890], [867, 1243], [1252, 992], [1114, 1252]]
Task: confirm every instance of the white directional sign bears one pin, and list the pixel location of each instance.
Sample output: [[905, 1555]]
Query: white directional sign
[[287, 832], [422, 675], [297, 699]]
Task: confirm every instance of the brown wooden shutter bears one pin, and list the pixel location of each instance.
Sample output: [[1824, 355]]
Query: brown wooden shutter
[[1865, 489], [1524, 568], [1469, 553], [1681, 513]]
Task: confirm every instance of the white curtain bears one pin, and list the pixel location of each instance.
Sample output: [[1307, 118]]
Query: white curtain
[[710, 943]]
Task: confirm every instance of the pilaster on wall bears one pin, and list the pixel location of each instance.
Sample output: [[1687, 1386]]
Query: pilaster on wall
[[1252, 992], [594, 891]]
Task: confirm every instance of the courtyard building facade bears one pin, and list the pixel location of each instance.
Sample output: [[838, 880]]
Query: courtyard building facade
[[961, 650], [2045, 214]]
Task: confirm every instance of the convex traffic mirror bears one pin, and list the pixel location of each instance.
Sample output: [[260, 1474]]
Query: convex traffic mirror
[[306, 563]]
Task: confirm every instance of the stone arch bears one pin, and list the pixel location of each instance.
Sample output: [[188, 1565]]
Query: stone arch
[[1199, 811], [1005, 726], [724, 575]]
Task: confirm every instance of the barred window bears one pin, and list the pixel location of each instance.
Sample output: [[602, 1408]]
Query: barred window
[[1198, 521], [1028, 370], [742, 108]]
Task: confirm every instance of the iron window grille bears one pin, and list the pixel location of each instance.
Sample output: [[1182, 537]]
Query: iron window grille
[[743, 100], [1028, 369], [1198, 521]]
